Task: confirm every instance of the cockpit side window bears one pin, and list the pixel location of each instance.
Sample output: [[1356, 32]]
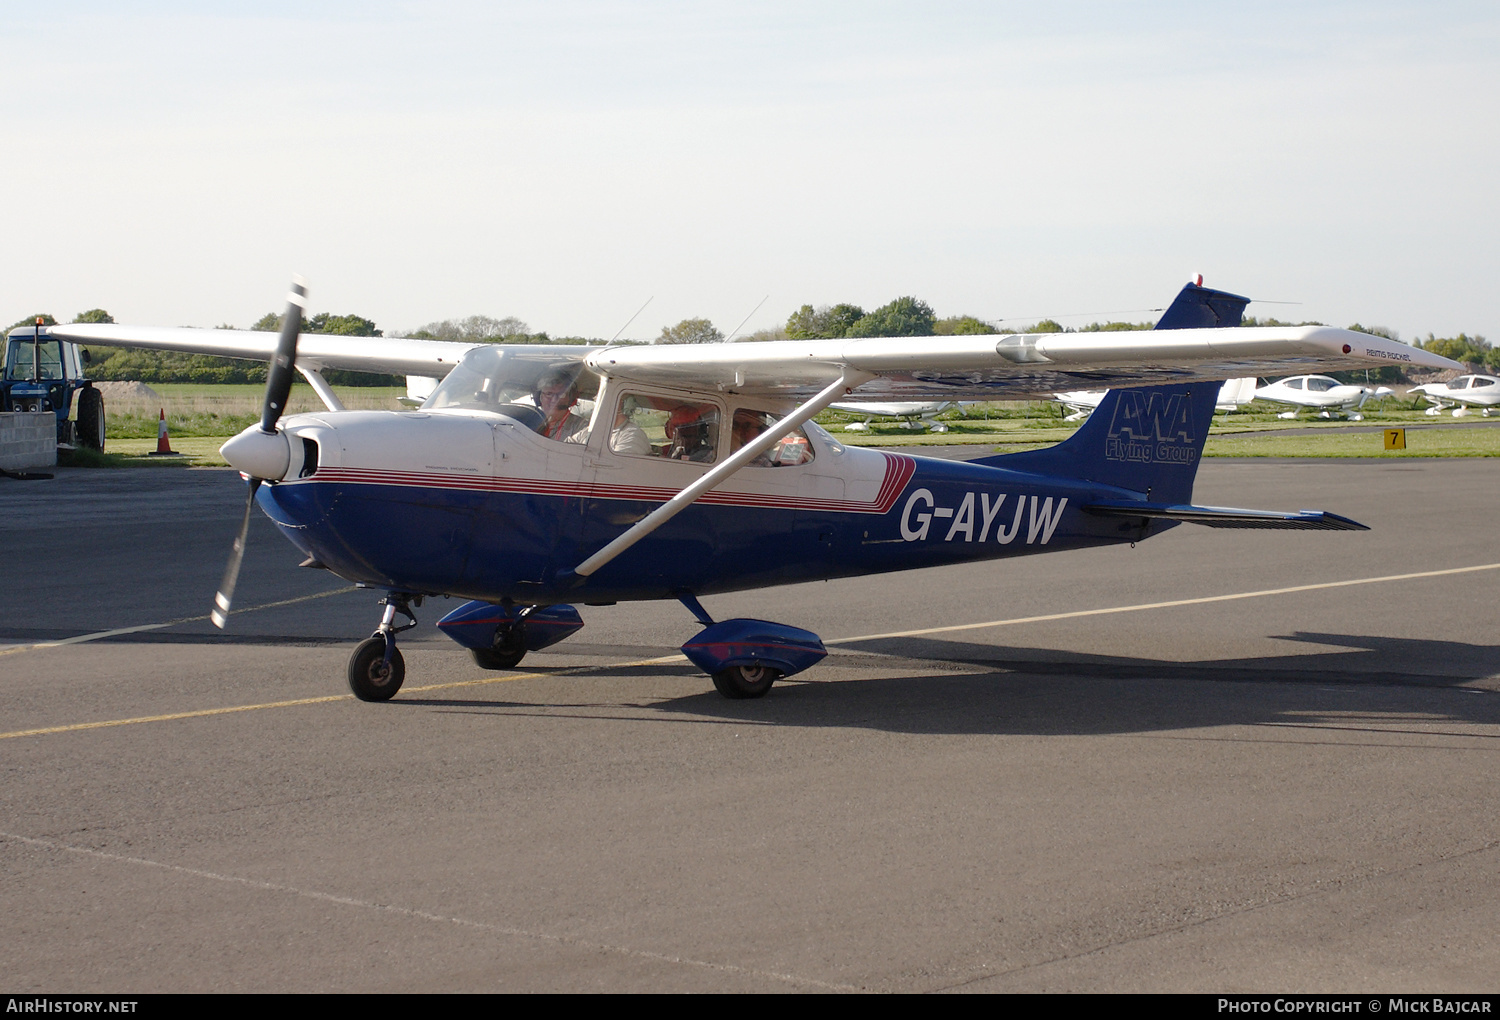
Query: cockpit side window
[[1320, 385]]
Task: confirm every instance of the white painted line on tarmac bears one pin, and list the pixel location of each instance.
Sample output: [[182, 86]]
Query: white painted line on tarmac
[[423, 915], [664, 659], [1077, 614], [102, 634]]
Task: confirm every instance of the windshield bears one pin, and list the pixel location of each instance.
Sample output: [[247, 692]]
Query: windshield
[[513, 380], [20, 364]]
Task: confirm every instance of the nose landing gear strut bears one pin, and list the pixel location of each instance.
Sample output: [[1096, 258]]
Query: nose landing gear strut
[[376, 668]]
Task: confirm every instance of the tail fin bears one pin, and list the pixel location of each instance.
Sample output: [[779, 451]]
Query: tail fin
[[1198, 307], [1150, 439], [1235, 392]]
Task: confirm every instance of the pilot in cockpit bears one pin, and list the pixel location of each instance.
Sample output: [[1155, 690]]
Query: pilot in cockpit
[[555, 394]]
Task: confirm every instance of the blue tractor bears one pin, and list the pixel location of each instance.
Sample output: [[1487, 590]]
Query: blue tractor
[[43, 373]]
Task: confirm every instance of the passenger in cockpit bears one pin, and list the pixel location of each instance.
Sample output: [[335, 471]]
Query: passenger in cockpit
[[694, 432], [626, 436]]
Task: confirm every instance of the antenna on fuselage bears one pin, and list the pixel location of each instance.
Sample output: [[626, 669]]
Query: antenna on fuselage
[[628, 321], [732, 333]]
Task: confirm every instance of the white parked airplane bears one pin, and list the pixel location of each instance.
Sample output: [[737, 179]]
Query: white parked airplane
[[1235, 393], [1476, 390], [913, 413], [1327, 395]]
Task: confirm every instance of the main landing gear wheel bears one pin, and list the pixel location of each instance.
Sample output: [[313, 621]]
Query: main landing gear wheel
[[370, 677], [745, 681], [508, 651]]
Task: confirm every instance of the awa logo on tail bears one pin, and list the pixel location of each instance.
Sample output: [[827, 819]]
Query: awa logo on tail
[[1152, 427]]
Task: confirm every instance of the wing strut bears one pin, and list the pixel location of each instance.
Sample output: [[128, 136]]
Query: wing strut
[[320, 387], [848, 379]]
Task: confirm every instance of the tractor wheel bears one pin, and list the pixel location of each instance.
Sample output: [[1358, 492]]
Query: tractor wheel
[[89, 431]]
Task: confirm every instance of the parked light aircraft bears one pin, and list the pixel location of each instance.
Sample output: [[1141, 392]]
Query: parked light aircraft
[[913, 413], [699, 469], [1476, 390], [1234, 394], [1319, 391]]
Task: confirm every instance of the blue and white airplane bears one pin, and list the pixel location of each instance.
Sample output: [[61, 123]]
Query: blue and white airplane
[[698, 469]]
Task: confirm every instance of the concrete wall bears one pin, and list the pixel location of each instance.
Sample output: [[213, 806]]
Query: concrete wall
[[28, 439]]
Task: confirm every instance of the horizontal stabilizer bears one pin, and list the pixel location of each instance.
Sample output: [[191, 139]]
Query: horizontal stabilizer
[[1227, 517]]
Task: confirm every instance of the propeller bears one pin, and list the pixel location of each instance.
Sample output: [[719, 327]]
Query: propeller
[[263, 449]]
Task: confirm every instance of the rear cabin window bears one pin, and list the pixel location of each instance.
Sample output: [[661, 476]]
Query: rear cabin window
[[791, 450], [649, 425]]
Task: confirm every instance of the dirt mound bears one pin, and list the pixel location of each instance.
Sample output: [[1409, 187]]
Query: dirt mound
[[126, 391]]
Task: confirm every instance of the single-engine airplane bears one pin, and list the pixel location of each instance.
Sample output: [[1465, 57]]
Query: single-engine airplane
[[1234, 394], [1319, 391], [913, 413], [1466, 391], [699, 469]]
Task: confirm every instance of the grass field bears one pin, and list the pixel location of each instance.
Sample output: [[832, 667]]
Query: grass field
[[200, 417], [195, 409], [1429, 441]]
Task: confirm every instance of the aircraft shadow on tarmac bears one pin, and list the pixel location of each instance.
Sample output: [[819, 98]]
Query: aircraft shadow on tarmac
[[1376, 686]]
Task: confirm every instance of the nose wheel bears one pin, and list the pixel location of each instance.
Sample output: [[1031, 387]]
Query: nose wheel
[[373, 677], [376, 669]]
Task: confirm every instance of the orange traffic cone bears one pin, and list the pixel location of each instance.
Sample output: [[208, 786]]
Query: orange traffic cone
[[163, 448]]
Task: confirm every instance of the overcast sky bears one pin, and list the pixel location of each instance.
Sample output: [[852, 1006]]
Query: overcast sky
[[564, 161]]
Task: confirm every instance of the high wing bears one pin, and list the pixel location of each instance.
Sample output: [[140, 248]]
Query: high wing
[[987, 367], [387, 355], [1003, 367]]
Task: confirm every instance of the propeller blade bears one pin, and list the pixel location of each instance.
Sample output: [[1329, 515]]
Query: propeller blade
[[220, 613], [283, 366], [278, 387]]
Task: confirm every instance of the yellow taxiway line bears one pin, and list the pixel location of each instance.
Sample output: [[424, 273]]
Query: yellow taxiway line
[[509, 678]]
